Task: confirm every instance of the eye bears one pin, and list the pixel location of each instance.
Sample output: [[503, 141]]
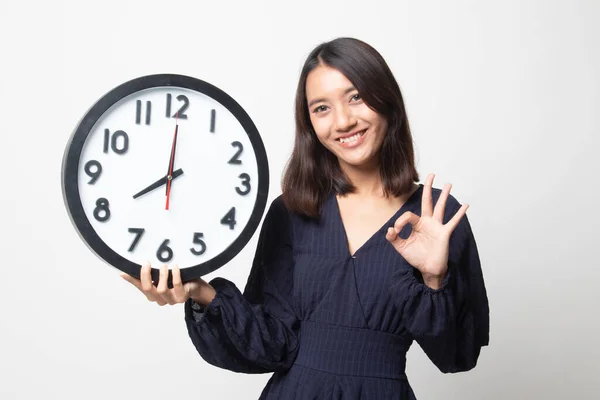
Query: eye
[[320, 108], [355, 97]]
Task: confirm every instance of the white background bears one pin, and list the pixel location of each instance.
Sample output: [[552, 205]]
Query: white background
[[503, 98]]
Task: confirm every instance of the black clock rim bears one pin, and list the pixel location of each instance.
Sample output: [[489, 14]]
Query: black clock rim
[[70, 171]]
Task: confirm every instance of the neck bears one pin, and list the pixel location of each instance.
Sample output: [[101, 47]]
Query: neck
[[366, 179]]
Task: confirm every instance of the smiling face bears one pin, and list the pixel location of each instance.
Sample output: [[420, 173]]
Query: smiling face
[[343, 122]]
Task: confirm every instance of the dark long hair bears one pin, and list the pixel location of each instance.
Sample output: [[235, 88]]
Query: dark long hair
[[313, 172]]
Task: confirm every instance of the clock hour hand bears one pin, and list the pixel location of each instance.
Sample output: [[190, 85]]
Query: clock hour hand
[[158, 183]]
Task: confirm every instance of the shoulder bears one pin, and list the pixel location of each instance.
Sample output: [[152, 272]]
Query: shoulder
[[278, 208], [294, 225], [277, 217], [278, 203]]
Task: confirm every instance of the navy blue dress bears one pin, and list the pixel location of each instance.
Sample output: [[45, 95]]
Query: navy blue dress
[[332, 325]]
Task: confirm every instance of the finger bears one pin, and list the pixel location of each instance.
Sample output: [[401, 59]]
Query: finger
[[392, 234], [453, 223], [146, 279], [177, 285], [426, 203], [440, 205], [162, 288], [134, 281], [406, 218]]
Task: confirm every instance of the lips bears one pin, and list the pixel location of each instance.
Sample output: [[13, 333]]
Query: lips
[[351, 137]]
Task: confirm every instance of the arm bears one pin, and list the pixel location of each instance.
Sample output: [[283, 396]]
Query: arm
[[253, 332], [451, 323], [458, 348]]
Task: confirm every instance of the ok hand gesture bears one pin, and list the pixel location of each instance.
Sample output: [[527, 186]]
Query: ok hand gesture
[[427, 247]]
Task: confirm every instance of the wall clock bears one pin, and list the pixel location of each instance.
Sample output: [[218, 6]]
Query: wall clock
[[168, 169]]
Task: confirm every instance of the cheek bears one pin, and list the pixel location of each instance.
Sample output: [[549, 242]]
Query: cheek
[[320, 127], [323, 140], [383, 128], [380, 125]]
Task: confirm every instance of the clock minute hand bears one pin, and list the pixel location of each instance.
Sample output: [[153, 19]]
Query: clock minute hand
[[158, 183], [172, 161], [172, 156]]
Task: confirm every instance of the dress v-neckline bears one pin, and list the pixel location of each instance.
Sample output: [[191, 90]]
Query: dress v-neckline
[[387, 224]]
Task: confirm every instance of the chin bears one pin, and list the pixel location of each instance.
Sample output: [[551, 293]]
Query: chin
[[360, 162]]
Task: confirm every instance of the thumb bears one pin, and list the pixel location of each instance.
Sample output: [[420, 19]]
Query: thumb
[[194, 287], [393, 237]]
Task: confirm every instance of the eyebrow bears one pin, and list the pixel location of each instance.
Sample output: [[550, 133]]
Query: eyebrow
[[320, 99]]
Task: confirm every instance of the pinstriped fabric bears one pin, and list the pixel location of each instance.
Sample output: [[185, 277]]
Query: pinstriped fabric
[[335, 326]]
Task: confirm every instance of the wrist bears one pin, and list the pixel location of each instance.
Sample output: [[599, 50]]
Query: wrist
[[204, 295], [434, 281]]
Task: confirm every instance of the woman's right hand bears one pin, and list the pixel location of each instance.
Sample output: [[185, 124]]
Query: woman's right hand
[[197, 289]]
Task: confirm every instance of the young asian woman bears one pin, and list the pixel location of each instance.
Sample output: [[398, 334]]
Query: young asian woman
[[355, 260]]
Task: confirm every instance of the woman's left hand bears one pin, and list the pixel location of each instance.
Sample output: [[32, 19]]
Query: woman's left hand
[[426, 248]]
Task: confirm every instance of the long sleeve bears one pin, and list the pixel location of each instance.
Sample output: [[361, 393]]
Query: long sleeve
[[451, 324], [253, 332]]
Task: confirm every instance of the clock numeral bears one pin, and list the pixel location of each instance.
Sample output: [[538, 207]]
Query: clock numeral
[[198, 240], [102, 210], [95, 173], [213, 117], [164, 248], [181, 112], [138, 235], [229, 218], [245, 183], [235, 159], [113, 141], [138, 112]]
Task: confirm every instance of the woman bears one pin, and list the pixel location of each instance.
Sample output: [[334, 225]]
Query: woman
[[354, 260]]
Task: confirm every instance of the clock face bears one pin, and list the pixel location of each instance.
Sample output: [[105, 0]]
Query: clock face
[[167, 169]]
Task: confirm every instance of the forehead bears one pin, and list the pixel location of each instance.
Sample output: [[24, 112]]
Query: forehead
[[326, 82]]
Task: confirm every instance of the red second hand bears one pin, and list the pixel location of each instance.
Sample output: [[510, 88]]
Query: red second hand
[[170, 175]]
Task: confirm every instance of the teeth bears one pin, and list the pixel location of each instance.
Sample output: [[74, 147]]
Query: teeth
[[351, 138]]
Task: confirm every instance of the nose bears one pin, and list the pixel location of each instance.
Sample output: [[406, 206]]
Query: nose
[[344, 119]]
